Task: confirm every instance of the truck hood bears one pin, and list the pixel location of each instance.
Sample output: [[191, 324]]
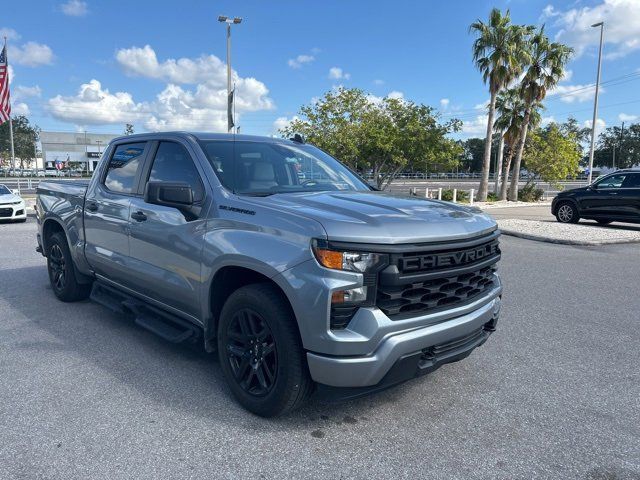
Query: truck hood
[[379, 217]]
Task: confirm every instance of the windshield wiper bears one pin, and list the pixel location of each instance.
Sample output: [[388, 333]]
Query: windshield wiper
[[257, 194]]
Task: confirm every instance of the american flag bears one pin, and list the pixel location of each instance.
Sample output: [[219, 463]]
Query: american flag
[[5, 104]]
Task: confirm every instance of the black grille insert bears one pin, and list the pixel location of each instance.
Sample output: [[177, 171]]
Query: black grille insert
[[6, 212], [424, 282]]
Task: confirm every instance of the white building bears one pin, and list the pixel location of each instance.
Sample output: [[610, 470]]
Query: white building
[[80, 147]]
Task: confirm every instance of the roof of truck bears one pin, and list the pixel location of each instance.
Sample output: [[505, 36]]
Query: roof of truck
[[207, 136]]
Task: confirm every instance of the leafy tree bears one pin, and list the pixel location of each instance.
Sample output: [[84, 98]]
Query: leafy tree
[[499, 53], [552, 154], [128, 129], [25, 137], [511, 110], [383, 136], [626, 144], [473, 154], [544, 70]]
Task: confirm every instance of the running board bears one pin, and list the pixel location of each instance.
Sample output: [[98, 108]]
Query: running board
[[167, 326]]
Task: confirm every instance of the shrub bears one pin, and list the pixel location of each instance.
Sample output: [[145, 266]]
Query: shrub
[[529, 193], [492, 197], [461, 196]]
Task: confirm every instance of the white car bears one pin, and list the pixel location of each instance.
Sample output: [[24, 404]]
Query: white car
[[12, 206]]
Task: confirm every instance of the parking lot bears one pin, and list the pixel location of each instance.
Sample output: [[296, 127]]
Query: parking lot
[[555, 393]]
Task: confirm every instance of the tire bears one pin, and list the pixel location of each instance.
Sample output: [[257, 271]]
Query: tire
[[62, 275], [604, 222], [567, 213], [266, 371]]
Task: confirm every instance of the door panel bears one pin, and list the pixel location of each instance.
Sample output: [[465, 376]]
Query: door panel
[[166, 248], [106, 229], [106, 216], [165, 255]]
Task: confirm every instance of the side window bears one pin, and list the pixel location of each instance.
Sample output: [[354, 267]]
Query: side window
[[173, 163], [632, 181], [614, 181], [124, 166]]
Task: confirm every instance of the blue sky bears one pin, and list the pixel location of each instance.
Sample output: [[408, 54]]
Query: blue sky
[[160, 65]]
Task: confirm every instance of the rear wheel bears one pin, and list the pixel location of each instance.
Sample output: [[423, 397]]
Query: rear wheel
[[260, 351], [62, 275], [567, 213]]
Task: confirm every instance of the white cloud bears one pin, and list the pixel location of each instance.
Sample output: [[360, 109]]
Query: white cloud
[[74, 8], [20, 108], [21, 92], [300, 60], [481, 106], [600, 125], [544, 121], [30, 54], [623, 117], [444, 103], [475, 127], [336, 73], [10, 33], [378, 82], [143, 62], [567, 75], [282, 122], [201, 108], [393, 94], [621, 26], [94, 105], [574, 93]]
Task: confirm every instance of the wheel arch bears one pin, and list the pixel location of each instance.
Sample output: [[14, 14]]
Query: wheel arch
[[226, 280], [560, 201]]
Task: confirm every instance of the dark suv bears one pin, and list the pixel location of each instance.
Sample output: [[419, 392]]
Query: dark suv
[[612, 198]]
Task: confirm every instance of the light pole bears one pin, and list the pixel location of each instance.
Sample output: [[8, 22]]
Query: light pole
[[229, 21], [595, 103]]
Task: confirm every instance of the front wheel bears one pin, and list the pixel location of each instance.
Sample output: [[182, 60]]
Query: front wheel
[[260, 351], [567, 213]]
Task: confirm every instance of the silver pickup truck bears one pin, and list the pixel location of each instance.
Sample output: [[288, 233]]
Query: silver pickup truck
[[299, 274]]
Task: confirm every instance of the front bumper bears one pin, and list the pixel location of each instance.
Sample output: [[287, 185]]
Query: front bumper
[[405, 354], [13, 212]]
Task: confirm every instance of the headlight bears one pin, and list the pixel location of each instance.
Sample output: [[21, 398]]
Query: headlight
[[18, 203], [360, 262]]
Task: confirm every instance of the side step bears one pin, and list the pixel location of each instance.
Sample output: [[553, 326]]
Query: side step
[[164, 324]]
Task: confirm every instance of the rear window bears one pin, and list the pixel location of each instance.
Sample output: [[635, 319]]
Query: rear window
[[124, 167], [632, 181]]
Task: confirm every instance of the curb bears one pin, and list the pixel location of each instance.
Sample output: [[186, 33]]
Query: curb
[[561, 241]]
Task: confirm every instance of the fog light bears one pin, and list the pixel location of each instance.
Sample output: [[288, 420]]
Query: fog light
[[355, 295]]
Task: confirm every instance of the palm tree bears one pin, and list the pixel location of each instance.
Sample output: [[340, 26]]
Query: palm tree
[[544, 71], [499, 53], [511, 110]]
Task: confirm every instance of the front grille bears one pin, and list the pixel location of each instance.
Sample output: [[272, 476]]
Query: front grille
[[6, 212], [417, 283]]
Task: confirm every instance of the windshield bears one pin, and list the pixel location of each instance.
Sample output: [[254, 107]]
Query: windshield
[[4, 190], [264, 168]]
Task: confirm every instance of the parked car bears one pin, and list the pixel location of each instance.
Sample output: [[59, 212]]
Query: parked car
[[299, 284], [611, 198], [12, 206]]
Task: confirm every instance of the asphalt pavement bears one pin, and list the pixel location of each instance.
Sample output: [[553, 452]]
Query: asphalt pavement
[[554, 393]]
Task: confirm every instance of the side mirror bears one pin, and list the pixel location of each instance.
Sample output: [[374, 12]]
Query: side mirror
[[593, 186], [169, 194]]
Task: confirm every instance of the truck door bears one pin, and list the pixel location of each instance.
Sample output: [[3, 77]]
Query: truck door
[[106, 211], [165, 243]]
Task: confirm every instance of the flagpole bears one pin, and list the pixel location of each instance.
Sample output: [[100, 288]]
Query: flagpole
[[13, 155]]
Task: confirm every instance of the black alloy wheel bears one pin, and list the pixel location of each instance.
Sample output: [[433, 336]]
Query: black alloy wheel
[[57, 266], [252, 353]]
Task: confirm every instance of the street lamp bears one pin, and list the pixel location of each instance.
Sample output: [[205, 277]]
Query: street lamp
[[595, 103], [229, 21]]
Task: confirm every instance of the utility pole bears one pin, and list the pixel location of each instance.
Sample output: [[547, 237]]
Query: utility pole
[[621, 137], [229, 21], [595, 103]]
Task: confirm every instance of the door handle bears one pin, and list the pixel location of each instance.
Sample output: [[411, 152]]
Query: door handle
[[614, 193], [139, 216], [91, 206]]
